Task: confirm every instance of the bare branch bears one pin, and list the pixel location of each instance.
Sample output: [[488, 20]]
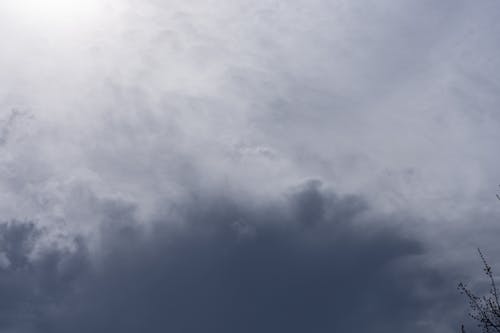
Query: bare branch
[[486, 309]]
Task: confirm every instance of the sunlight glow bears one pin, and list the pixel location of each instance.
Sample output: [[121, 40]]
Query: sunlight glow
[[54, 12]]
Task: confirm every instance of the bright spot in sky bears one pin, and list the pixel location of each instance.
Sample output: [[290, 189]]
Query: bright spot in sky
[[53, 12]]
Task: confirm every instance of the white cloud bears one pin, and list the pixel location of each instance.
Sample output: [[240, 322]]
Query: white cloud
[[154, 100]]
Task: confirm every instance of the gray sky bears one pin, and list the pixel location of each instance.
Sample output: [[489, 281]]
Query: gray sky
[[259, 165]]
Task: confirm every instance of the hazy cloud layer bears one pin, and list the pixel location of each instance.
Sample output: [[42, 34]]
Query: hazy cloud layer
[[393, 99], [165, 147]]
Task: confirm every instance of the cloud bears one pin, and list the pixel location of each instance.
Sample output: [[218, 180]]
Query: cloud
[[297, 265], [31, 283], [154, 99], [183, 129]]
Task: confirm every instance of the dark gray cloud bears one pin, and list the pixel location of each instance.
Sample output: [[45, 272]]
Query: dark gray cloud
[[313, 262], [32, 283]]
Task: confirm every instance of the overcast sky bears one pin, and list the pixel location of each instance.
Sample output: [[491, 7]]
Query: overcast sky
[[246, 166]]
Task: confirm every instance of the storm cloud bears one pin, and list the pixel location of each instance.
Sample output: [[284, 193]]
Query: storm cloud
[[312, 262]]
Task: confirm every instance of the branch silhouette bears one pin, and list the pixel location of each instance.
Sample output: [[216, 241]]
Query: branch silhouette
[[483, 309]]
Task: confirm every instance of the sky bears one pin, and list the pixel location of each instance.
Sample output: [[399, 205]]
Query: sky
[[246, 166]]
